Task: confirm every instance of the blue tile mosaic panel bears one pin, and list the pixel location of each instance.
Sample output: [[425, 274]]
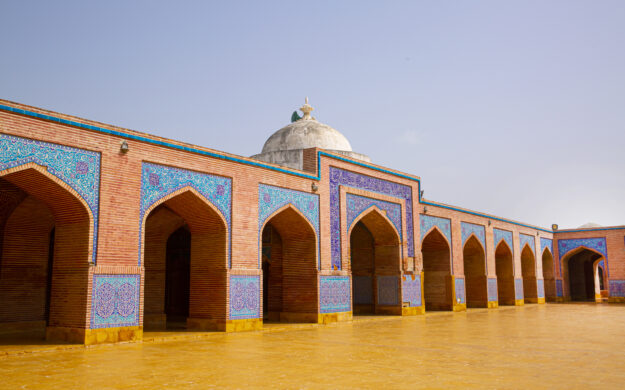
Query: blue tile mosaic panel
[[357, 204], [540, 286], [340, 177], [363, 290], [428, 222], [492, 290], [158, 181], [617, 288], [244, 297], [478, 230], [388, 293], [411, 290], [598, 244], [115, 301], [78, 168], [559, 290], [518, 289], [546, 243], [334, 294], [505, 235], [527, 239], [272, 198], [460, 293]]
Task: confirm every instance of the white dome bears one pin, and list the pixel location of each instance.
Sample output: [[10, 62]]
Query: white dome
[[306, 133]]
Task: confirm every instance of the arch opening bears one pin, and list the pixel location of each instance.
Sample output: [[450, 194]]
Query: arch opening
[[375, 265], [437, 281], [549, 276], [290, 291], [504, 267], [45, 252], [185, 259], [579, 274], [475, 273], [528, 271]]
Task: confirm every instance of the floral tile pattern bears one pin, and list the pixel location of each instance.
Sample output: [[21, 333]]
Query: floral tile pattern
[[617, 288], [244, 297], [460, 292], [505, 235], [115, 301], [334, 294], [78, 168], [428, 222], [272, 198], [470, 228], [158, 181], [540, 286], [492, 290], [527, 239], [357, 204], [411, 290], [546, 243]]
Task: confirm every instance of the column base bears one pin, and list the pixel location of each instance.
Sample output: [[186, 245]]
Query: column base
[[493, 304], [541, 300], [113, 335], [412, 311], [328, 318], [460, 307], [519, 302]]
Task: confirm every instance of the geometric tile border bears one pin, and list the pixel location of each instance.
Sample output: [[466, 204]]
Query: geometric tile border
[[617, 288], [340, 177]]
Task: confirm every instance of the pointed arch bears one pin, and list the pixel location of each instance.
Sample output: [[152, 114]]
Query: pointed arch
[[474, 261], [504, 268], [528, 271], [59, 252], [437, 279], [579, 273], [548, 267], [288, 243], [375, 263], [206, 257]]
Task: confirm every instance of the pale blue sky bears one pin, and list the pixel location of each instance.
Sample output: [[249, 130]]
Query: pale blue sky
[[515, 108]]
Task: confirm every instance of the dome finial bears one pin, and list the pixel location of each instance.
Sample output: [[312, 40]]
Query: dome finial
[[307, 109]]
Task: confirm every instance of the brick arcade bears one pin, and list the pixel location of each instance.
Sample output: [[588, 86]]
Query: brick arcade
[[105, 232]]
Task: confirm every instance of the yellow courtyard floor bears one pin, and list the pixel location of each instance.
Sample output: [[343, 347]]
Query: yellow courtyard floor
[[553, 346]]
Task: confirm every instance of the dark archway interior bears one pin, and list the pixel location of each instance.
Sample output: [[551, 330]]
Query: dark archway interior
[[549, 276], [437, 288], [375, 254], [580, 275], [362, 247], [475, 273], [528, 270], [600, 274], [177, 277], [289, 266], [185, 259], [44, 256], [504, 266]]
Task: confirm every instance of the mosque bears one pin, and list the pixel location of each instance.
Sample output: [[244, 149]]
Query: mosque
[[106, 232]]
